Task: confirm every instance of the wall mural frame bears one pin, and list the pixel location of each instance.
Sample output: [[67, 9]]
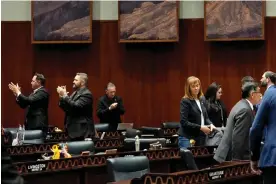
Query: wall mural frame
[[247, 19], [51, 25], [133, 15]]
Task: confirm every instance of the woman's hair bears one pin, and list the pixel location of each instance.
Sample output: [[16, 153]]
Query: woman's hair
[[211, 92], [190, 81]]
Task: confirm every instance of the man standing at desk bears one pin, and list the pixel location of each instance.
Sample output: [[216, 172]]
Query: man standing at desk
[[78, 109], [36, 103], [265, 119], [110, 108], [235, 141]]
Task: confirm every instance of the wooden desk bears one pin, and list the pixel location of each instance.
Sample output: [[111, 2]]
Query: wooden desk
[[93, 168], [223, 173], [228, 172], [32, 152]]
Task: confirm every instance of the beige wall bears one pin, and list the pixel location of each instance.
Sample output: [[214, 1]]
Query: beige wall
[[108, 10]]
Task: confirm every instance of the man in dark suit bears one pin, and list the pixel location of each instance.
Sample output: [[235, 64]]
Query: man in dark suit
[[235, 141], [265, 119], [78, 109], [36, 103], [110, 107]]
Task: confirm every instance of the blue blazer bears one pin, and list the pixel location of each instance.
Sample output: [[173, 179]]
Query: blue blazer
[[265, 118]]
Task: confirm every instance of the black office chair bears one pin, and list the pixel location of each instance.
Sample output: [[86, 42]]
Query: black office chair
[[124, 168], [188, 158], [34, 137], [102, 127], [170, 128], [154, 131], [175, 125], [77, 147], [131, 133], [129, 143], [31, 136], [12, 131]]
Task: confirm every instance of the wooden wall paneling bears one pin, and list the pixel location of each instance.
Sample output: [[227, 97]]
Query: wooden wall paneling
[[271, 44], [149, 76], [17, 66]]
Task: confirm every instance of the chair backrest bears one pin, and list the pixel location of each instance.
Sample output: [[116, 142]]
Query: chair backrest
[[188, 158], [77, 147], [156, 131], [34, 137], [129, 143], [175, 125], [129, 167], [102, 127], [12, 131], [131, 133], [31, 136]]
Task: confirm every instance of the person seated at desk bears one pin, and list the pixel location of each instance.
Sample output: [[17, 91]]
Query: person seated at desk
[[110, 108], [194, 120]]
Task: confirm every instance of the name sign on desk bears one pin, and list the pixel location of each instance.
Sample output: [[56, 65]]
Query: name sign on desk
[[36, 167], [216, 175]]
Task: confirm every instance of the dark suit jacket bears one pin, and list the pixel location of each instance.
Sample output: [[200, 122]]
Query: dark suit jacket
[[113, 117], [190, 118], [78, 110], [265, 118], [37, 109], [9, 174], [217, 117], [235, 141]]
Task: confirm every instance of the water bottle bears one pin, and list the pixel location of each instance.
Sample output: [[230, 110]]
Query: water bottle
[[23, 134], [20, 135], [15, 140], [137, 143]]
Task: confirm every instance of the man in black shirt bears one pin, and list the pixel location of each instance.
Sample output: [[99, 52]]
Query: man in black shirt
[[110, 107]]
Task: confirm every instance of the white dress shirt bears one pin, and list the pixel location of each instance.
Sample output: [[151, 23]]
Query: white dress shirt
[[251, 105], [202, 117]]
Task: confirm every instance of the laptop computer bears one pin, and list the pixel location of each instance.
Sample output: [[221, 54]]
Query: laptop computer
[[124, 126]]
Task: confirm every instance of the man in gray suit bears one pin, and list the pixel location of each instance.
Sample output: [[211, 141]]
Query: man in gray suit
[[235, 141]]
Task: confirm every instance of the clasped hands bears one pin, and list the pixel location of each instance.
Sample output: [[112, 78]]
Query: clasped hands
[[207, 130], [61, 90], [15, 88]]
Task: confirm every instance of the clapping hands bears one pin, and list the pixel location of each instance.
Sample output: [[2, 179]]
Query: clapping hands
[[61, 90], [14, 88]]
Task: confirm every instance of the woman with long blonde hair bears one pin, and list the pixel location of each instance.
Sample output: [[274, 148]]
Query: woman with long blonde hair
[[194, 121]]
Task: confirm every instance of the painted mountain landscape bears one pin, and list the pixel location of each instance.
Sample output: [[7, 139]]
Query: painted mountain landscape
[[61, 21], [234, 20], [148, 21]]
